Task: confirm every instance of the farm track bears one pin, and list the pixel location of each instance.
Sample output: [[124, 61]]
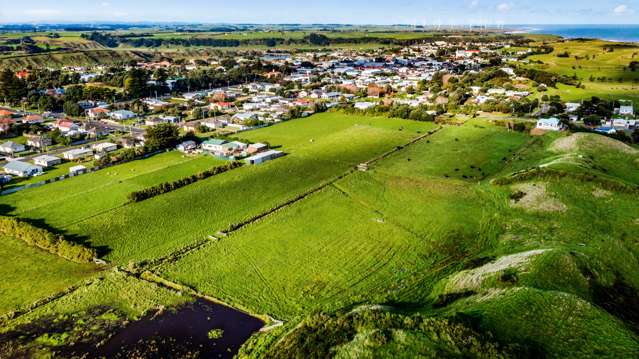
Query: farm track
[[147, 271]]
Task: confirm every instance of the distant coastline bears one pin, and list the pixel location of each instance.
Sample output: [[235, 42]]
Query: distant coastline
[[616, 33]]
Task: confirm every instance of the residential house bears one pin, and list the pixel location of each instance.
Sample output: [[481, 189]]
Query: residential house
[[550, 124], [32, 119], [22, 169], [11, 147], [364, 105], [572, 106], [77, 170], [47, 161], [97, 113], [105, 147], [122, 115], [245, 116], [626, 110], [38, 141], [77, 154], [214, 145], [187, 146], [257, 148], [6, 123], [65, 125]]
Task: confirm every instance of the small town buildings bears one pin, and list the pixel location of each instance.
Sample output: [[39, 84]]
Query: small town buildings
[[65, 125], [11, 147], [22, 169], [364, 105], [105, 147], [263, 157], [38, 141], [550, 124], [32, 119], [256, 148], [77, 154], [626, 110], [77, 170], [97, 113], [162, 119], [187, 146], [245, 116], [122, 115], [47, 161], [6, 123], [214, 145], [572, 106]]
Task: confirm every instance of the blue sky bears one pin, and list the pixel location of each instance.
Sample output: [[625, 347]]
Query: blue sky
[[326, 11]]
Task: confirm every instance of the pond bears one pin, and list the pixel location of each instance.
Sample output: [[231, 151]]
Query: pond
[[201, 329]]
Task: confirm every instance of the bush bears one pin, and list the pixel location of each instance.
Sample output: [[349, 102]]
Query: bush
[[43, 239], [166, 187]]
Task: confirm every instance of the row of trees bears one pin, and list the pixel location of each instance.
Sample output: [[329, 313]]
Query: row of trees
[[166, 187], [46, 240]]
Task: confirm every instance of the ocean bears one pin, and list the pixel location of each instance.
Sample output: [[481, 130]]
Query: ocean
[[621, 33]]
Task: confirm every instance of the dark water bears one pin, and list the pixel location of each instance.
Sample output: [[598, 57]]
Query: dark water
[[627, 33], [183, 333]]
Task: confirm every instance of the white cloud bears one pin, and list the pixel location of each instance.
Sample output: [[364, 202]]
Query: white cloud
[[42, 12], [474, 3], [621, 9], [504, 7], [105, 4]]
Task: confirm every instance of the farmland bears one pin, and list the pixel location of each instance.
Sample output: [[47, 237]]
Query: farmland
[[46, 274], [603, 68], [426, 230], [317, 154]]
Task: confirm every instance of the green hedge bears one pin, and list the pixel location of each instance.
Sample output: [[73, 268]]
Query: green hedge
[[46, 240], [166, 187]]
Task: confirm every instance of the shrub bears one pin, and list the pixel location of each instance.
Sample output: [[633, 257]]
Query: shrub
[[43, 239], [166, 187]]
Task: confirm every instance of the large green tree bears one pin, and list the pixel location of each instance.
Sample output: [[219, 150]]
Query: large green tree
[[164, 135]]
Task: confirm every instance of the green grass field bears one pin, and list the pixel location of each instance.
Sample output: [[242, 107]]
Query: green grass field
[[590, 61], [320, 148], [404, 234], [29, 274], [547, 265]]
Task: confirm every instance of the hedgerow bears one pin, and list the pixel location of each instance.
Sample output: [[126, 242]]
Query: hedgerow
[[43, 239], [166, 187]]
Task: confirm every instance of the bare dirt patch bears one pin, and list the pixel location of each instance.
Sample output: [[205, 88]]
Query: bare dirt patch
[[580, 140], [535, 197], [472, 279], [601, 193]]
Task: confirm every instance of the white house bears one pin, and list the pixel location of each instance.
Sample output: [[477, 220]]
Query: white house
[[627, 110], [77, 170], [572, 106], [77, 154], [214, 145], [187, 146], [11, 147], [105, 147], [122, 115], [22, 169], [364, 105], [245, 116], [47, 161], [550, 124]]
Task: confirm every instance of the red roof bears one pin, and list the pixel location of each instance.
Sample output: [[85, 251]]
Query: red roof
[[6, 113]]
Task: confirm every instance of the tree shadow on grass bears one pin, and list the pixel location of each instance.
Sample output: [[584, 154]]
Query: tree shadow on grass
[[74, 238]]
